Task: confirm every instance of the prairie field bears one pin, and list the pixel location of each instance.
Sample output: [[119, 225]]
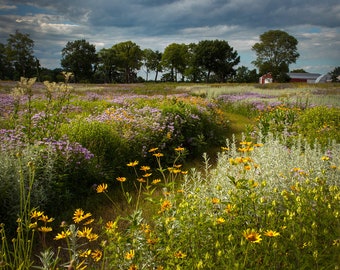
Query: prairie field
[[169, 176]]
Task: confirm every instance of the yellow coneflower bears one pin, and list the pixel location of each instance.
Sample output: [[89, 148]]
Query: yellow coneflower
[[101, 188], [121, 179], [129, 255], [271, 233], [84, 233], [166, 205], [45, 229], [36, 214], [180, 255], [62, 235], [220, 220], [144, 168], [132, 163], [156, 181], [252, 236], [215, 200], [96, 255]]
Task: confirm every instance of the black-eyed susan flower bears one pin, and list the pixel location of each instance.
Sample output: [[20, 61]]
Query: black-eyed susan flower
[[132, 163], [153, 149], [147, 175], [271, 233], [144, 168], [158, 155], [130, 255], [96, 255], [166, 205], [110, 225], [78, 215], [84, 233], [45, 229], [36, 214], [179, 149], [141, 180], [252, 236], [156, 181], [133, 267], [101, 188], [62, 235], [180, 255], [215, 200], [92, 237], [220, 220], [121, 179], [45, 218]]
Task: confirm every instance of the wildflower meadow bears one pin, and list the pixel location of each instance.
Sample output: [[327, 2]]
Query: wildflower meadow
[[169, 176]]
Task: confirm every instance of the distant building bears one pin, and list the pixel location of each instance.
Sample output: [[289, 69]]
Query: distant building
[[324, 78], [266, 78], [303, 77]]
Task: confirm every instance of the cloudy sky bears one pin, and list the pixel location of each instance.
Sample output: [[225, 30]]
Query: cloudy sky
[[157, 23]]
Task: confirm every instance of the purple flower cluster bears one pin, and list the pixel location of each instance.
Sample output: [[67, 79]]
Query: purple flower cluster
[[257, 100], [66, 148]]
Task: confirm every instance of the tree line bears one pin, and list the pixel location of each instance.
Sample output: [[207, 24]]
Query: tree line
[[205, 61]]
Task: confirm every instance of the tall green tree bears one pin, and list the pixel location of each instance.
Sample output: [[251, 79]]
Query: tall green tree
[[275, 52], [108, 64], [335, 74], [216, 56], [19, 52], [175, 59], [80, 58], [245, 75], [6, 69], [152, 62], [129, 59]]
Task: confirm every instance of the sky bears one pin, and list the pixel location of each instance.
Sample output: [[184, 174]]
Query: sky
[[155, 24]]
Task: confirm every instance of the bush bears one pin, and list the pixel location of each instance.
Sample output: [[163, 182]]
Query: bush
[[320, 124]]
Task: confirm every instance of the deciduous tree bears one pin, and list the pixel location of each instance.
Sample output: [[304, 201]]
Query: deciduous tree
[[19, 51], [175, 59], [275, 51], [216, 56], [80, 57], [129, 59]]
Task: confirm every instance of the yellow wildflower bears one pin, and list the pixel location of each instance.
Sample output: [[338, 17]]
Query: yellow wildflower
[[215, 200], [179, 149], [129, 255], [96, 255], [220, 220], [121, 179], [271, 233], [158, 155], [36, 214], [166, 205], [180, 255], [153, 149], [252, 236], [144, 168], [62, 235], [84, 233], [45, 229], [101, 188], [156, 181], [133, 163]]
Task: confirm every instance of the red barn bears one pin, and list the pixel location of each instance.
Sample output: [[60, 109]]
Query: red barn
[[266, 78]]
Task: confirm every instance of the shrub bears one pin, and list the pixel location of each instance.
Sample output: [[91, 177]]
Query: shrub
[[320, 124]]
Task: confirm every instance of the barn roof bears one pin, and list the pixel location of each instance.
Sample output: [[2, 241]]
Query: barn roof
[[306, 76]]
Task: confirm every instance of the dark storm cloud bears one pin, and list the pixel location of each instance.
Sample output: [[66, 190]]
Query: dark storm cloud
[[157, 23]]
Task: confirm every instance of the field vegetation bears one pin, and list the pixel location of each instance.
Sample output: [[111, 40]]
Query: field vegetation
[[169, 176]]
